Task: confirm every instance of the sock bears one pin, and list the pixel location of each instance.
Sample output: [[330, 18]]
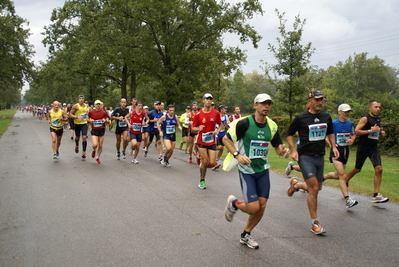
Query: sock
[[76, 142], [375, 194], [234, 204], [346, 198], [313, 220], [243, 234], [84, 144], [296, 187]]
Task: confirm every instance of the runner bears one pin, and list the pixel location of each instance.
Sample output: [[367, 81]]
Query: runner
[[205, 123], [252, 135], [121, 131], [57, 117], [145, 133], [236, 114], [135, 122], [97, 117], [167, 129], [192, 134], [184, 123], [109, 112], [313, 126], [79, 114], [154, 116], [369, 130], [222, 128], [344, 132], [71, 123]]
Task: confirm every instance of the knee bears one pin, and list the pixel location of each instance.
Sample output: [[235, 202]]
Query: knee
[[378, 169]]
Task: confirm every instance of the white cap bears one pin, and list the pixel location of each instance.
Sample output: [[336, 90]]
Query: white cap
[[145, 107], [207, 95], [262, 98], [344, 107]]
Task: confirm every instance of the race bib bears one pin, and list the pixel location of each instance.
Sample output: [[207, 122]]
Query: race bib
[[56, 123], [122, 124], [136, 127], [317, 132], [84, 117], [98, 123], [342, 138], [374, 135], [170, 129], [207, 137], [258, 149]]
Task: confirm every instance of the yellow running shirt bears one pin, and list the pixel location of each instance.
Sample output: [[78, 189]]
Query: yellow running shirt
[[81, 111], [55, 119]]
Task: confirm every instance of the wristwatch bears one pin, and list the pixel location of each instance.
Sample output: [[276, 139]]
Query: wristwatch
[[236, 153]]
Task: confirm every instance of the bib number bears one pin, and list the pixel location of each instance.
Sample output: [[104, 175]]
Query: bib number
[[136, 127], [170, 129], [122, 123], [258, 149], [374, 135], [98, 123], [207, 137], [317, 132], [342, 138], [55, 123], [84, 117]]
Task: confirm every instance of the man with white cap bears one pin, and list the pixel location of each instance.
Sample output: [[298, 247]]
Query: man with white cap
[[97, 117], [313, 127], [344, 131], [205, 123], [252, 136]]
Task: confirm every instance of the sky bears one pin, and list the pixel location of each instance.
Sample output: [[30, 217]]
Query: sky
[[337, 29]]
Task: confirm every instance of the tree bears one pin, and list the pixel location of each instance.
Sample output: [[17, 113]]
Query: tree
[[15, 54], [293, 59]]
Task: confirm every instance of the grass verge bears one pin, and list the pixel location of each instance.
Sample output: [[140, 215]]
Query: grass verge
[[5, 119]]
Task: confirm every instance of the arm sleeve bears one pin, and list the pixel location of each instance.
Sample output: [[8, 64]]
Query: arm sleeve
[[276, 141]]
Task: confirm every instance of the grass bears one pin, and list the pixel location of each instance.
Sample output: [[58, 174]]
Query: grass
[[361, 183], [5, 119]]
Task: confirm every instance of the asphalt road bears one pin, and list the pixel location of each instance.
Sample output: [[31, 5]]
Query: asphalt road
[[69, 212]]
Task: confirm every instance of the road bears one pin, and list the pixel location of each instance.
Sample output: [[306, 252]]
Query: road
[[69, 212]]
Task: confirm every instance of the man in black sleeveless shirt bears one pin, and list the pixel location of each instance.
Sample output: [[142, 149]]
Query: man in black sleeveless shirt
[[369, 129]]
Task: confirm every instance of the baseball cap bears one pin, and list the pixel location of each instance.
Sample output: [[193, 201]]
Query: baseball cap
[[97, 102], [221, 106], [315, 94], [157, 102], [81, 96], [194, 103], [207, 95], [213, 103], [262, 98], [188, 107], [145, 107], [344, 107], [64, 104]]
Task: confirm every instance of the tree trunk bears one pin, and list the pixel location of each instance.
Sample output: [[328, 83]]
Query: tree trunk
[[124, 82], [133, 84]]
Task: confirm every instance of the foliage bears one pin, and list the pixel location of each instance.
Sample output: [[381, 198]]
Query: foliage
[[292, 64], [15, 54]]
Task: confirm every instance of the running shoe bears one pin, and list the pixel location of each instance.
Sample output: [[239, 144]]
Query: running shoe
[[145, 153], [380, 199], [118, 155], [143, 148], [351, 203], [123, 154], [98, 160], [163, 162], [190, 159], [135, 161], [249, 242], [55, 156], [181, 146], [291, 190], [83, 155], [167, 165], [93, 154], [317, 229], [72, 138], [288, 170], [229, 210], [57, 153], [217, 166], [186, 151], [202, 184], [76, 149], [160, 157], [131, 151]]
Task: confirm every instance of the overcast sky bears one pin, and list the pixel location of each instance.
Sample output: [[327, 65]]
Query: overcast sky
[[337, 29]]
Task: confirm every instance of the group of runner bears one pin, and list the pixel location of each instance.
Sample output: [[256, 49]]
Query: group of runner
[[208, 130]]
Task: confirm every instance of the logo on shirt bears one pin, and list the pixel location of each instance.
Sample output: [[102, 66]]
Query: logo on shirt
[[203, 120], [316, 120], [261, 134]]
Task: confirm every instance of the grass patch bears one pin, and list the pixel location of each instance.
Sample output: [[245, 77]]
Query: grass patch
[[5, 119]]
